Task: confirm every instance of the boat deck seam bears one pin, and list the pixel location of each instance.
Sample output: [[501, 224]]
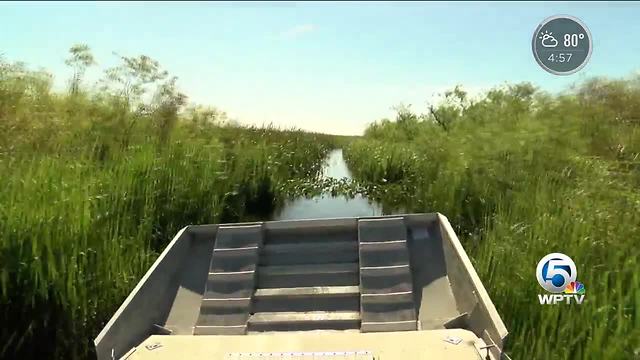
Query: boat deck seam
[[388, 322], [387, 294], [227, 273], [384, 267], [382, 242], [220, 326], [236, 249], [228, 299]]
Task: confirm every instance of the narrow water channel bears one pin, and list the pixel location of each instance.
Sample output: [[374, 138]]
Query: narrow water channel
[[326, 205]]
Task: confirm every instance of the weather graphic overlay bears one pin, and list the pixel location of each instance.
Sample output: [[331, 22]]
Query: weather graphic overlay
[[562, 44]]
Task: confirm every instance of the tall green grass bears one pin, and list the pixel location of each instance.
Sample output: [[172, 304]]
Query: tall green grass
[[522, 174], [94, 186]]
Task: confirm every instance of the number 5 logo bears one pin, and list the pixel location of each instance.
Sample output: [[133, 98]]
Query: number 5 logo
[[555, 271]]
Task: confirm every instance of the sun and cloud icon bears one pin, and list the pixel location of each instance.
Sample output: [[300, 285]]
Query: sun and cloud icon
[[548, 40]]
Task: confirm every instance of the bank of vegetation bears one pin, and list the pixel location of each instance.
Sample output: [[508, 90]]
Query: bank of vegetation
[[95, 180], [522, 173]]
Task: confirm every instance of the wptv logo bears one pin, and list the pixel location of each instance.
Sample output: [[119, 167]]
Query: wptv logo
[[557, 274]]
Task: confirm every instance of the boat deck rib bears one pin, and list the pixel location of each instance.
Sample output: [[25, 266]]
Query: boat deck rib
[[226, 302], [386, 301]]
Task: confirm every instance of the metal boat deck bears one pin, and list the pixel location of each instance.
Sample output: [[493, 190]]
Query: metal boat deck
[[397, 277]]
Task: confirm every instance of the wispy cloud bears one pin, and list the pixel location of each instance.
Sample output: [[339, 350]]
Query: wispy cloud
[[297, 31]]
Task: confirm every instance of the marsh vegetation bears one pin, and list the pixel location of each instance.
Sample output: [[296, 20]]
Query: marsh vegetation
[[96, 180], [521, 173]]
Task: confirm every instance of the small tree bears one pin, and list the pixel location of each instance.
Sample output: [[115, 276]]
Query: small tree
[[133, 77], [203, 117], [407, 121], [167, 101], [455, 103], [128, 83], [79, 60]]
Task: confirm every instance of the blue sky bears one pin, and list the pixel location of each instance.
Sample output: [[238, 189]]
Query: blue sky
[[331, 67]]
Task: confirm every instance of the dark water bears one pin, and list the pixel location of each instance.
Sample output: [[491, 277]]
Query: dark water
[[325, 205]]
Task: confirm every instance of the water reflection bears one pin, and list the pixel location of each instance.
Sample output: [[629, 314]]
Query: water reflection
[[325, 205]]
